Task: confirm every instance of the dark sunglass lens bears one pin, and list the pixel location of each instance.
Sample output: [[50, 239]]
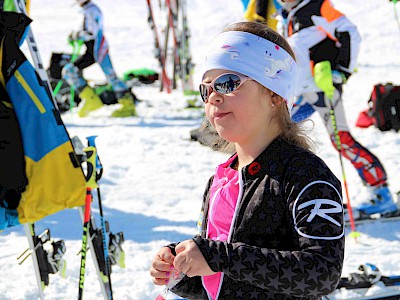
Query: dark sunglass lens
[[203, 92], [227, 83]]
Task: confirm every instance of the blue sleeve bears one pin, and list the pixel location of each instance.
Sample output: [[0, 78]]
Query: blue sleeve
[[302, 112]]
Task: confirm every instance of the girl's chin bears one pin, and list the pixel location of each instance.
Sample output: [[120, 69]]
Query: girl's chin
[[226, 134]]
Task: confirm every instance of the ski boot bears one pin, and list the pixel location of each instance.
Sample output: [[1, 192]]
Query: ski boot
[[91, 101], [128, 106], [381, 202], [117, 255], [70, 73]]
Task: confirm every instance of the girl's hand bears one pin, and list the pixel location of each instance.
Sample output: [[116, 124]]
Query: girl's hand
[[162, 266], [190, 261]]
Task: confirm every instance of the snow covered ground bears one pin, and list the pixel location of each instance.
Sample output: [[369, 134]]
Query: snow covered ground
[[154, 175]]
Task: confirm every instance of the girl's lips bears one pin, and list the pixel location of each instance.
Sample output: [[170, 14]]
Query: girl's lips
[[220, 115]]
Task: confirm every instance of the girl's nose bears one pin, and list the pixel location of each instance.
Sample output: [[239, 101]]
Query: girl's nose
[[215, 98]]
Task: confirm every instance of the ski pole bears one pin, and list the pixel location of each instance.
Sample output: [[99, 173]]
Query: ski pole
[[90, 184], [323, 79], [34, 50], [99, 172]]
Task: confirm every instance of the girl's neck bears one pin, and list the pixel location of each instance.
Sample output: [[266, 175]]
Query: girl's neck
[[248, 152]]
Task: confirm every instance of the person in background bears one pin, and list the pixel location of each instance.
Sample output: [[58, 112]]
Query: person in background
[[8, 5], [261, 11], [263, 234], [97, 49], [326, 44]]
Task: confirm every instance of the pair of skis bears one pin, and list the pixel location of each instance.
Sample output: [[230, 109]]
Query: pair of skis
[[104, 276], [390, 217], [95, 239], [358, 285], [177, 24]]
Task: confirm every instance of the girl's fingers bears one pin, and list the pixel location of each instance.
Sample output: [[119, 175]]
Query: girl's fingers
[[178, 262], [167, 256], [160, 277], [160, 281], [162, 266], [159, 274]]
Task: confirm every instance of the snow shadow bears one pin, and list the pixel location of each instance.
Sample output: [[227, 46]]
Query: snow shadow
[[136, 227]]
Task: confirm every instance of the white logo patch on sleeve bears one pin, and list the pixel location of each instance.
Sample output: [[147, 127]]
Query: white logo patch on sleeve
[[317, 209]]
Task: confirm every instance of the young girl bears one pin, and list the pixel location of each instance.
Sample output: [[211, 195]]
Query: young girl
[[272, 225]]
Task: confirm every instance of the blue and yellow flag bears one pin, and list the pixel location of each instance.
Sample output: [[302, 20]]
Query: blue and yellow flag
[[54, 174]]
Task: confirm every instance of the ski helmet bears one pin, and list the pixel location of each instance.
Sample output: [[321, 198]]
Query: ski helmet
[[288, 5]]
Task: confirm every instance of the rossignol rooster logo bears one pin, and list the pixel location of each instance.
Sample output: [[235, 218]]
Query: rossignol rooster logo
[[254, 168], [313, 210]]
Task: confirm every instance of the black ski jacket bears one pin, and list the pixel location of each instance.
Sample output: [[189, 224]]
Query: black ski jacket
[[287, 240]]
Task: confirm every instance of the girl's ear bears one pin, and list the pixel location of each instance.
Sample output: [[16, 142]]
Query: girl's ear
[[276, 100]]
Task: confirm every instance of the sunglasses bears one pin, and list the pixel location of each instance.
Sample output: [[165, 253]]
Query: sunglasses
[[223, 84]]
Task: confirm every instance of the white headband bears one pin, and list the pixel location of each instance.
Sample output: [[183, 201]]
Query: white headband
[[253, 56]]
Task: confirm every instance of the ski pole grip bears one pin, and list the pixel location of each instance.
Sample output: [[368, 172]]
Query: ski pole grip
[[91, 167], [323, 78]]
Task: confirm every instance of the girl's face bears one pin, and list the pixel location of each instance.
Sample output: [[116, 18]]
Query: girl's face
[[242, 116]]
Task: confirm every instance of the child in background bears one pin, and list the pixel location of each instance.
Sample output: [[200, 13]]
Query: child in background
[[272, 217], [96, 51], [324, 39]]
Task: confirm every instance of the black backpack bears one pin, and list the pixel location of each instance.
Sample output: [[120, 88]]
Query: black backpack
[[384, 106]]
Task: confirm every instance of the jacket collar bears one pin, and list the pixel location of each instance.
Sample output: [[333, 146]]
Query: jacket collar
[[270, 161]]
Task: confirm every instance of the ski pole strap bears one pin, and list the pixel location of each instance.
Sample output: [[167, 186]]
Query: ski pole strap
[[91, 167], [91, 142], [99, 166]]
